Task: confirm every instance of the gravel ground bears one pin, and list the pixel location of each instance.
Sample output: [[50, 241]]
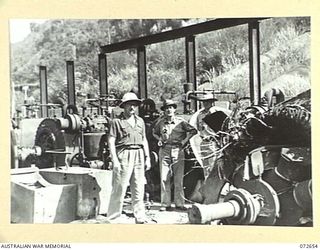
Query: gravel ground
[[153, 214]]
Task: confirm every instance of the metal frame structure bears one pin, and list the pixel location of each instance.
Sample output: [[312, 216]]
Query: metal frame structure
[[188, 33], [44, 87], [43, 90], [71, 83]]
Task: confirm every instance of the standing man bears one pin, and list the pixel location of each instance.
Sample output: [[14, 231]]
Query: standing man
[[208, 145], [130, 155], [173, 134]]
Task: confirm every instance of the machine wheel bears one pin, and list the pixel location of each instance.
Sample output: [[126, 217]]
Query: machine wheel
[[271, 209], [49, 137]]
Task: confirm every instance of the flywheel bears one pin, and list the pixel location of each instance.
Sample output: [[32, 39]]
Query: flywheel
[[49, 137]]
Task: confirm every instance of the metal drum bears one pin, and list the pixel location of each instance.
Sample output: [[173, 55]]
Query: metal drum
[[92, 144]]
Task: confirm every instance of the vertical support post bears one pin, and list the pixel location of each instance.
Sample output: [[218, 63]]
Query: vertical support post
[[254, 63], [191, 68], [103, 79], [71, 83], [142, 72], [43, 91]]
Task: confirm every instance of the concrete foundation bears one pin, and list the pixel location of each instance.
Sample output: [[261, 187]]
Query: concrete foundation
[[34, 200], [94, 187]]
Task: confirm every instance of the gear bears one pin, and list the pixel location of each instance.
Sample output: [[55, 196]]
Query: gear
[[49, 137]]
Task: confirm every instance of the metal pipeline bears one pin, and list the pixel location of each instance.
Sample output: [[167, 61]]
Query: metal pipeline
[[202, 214], [239, 207]]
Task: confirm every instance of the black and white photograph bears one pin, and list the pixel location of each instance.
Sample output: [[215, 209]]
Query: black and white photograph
[[180, 121]]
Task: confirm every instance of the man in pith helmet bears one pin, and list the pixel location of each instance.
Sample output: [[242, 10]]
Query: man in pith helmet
[[130, 157]]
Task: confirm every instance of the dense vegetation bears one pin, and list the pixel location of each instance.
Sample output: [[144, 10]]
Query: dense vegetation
[[222, 56]]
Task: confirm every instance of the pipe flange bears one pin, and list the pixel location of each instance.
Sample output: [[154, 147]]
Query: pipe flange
[[74, 123], [270, 209], [248, 207]]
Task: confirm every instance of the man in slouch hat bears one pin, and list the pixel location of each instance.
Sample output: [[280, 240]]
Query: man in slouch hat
[[173, 134]]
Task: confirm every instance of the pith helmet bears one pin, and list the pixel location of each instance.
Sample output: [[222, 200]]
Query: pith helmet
[[130, 97], [167, 103]]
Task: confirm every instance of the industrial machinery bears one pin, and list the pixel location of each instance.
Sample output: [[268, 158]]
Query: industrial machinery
[[263, 172], [69, 140], [68, 150]]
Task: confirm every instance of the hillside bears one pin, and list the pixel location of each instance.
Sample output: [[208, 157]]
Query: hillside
[[286, 67], [222, 57]]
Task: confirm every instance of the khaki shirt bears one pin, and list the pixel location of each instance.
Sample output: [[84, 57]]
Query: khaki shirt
[[125, 134], [173, 132]]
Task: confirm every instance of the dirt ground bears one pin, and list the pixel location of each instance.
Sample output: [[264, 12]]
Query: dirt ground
[[153, 214]]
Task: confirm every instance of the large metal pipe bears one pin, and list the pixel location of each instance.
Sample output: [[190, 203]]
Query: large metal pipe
[[202, 214], [239, 207]]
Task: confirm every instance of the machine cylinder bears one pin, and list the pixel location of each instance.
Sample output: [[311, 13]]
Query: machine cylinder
[[202, 214], [71, 123], [63, 123]]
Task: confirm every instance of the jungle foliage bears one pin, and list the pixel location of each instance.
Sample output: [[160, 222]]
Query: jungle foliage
[[222, 56]]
